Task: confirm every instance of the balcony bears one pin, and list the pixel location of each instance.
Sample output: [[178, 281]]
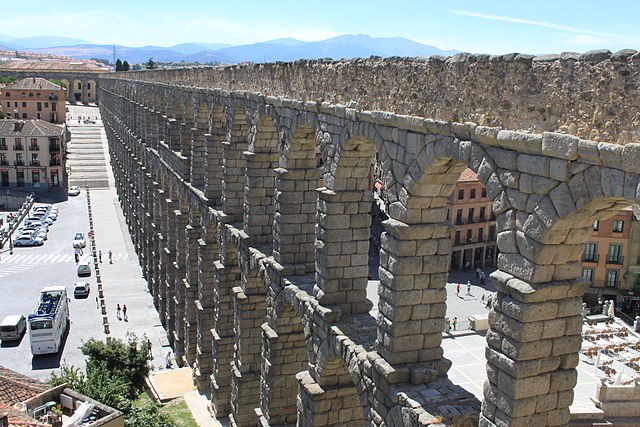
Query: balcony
[[590, 258], [18, 163], [54, 162], [34, 163], [605, 283], [4, 162], [34, 147], [618, 260], [53, 146], [4, 147], [18, 147]]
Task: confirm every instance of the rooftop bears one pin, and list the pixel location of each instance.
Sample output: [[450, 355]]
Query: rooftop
[[34, 83], [29, 128], [468, 176], [16, 388], [54, 65]]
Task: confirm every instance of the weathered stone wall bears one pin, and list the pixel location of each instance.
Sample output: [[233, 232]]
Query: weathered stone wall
[[593, 95]]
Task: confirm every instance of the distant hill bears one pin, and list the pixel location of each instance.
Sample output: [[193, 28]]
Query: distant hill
[[285, 49], [38, 41]]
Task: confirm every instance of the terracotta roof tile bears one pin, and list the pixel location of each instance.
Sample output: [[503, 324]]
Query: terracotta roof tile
[[34, 83], [468, 176], [29, 128]]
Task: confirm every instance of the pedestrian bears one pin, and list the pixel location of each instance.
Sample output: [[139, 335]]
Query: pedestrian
[[100, 255], [483, 278], [118, 310], [77, 256], [455, 323], [110, 257], [124, 312], [97, 304], [489, 300], [482, 299], [80, 251], [458, 289], [149, 352], [468, 287], [167, 360], [478, 271]]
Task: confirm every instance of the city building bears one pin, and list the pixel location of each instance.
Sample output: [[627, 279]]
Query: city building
[[473, 241], [34, 98], [605, 258], [32, 155], [25, 401]]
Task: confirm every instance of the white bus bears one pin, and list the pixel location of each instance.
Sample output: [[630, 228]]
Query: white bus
[[49, 320]]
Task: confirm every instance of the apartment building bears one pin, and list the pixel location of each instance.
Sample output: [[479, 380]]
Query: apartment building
[[473, 240], [34, 98], [32, 155]]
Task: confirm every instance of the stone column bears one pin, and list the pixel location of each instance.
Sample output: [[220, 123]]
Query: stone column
[[182, 221], [191, 290], [258, 196], [234, 169], [295, 217], [342, 249], [214, 157], [173, 134], [170, 273]]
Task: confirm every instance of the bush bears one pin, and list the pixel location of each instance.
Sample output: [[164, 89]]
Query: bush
[[148, 415]]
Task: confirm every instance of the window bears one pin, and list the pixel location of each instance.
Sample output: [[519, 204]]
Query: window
[[595, 225], [484, 192], [19, 159], [35, 178], [492, 232], [615, 254], [88, 86], [24, 105], [587, 273], [457, 238], [480, 234], [20, 178], [483, 212], [24, 115], [590, 253], [3, 159], [617, 226], [8, 95], [30, 94], [53, 106], [46, 105], [9, 104], [469, 235], [473, 193], [471, 214], [79, 85], [460, 194], [611, 280], [39, 106], [459, 216], [34, 160]]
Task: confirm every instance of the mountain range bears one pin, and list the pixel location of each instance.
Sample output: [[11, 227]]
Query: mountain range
[[285, 49]]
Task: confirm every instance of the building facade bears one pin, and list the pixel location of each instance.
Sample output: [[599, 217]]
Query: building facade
[[32, 155], [473, 240], [34, 99]]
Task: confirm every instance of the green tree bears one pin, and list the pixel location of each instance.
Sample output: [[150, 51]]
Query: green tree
[[148, 415], [118, 65], [58, 82], [8, 79], [151, 64], [125, 66]]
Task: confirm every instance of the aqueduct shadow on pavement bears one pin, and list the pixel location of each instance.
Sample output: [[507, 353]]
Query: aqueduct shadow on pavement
[[260, 275]]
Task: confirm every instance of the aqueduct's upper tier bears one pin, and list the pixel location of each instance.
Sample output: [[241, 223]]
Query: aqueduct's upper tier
[[592, 95]]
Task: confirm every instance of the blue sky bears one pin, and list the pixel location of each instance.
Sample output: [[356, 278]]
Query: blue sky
[[475, 26]]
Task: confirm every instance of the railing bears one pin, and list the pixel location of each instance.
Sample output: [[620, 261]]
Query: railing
[[34, 163], [18, 163], [3, 147], [4, 162], [473, 220], [618, 260], [34, 147], [590, 258], [18, 147], [605, 284], [54, 162]]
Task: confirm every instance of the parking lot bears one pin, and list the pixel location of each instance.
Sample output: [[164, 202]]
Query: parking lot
[[25, 272]]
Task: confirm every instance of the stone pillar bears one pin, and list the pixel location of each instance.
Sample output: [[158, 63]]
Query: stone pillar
[[85, 99], [173, 134], [214, 157], [533, 349], [191, 290], [327, 405], [295, 217], [342, 249], [197, 155], [170, 273], [182, 221], [258, 196], [414, 263], [234, 168]]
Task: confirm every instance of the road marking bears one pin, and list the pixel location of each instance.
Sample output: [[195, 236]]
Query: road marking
[[34, 259]]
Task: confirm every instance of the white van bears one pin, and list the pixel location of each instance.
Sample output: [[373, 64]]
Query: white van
[[12, 327]]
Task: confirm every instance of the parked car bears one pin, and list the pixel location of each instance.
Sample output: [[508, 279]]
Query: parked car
[[81, 289], [12, 327], [28, 241], [74, 190], [32, 220], [53, 215], [39, 233], [84, 269], [79, 241]]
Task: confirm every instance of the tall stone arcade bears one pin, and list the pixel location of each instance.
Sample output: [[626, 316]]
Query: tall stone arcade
[[257, 257]]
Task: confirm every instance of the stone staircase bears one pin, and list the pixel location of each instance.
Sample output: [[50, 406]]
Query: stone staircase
[[86, 156]]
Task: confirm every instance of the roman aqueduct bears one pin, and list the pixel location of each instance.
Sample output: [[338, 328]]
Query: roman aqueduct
[[260, 276]]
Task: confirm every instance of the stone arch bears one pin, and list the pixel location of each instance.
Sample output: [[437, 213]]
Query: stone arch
[[77, 88], [219, 129], [261, 160], [296, 200], [342, 233], [234, 165], [285, 353]]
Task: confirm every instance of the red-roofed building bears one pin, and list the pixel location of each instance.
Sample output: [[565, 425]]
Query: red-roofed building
[[473, 240]]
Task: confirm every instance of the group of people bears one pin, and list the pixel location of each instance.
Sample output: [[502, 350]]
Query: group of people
[[78, 252], [121, 312], [110, 256]]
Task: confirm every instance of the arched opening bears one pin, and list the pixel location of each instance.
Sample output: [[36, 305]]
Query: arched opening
[[261, 159], [284, 354], [77, 90]]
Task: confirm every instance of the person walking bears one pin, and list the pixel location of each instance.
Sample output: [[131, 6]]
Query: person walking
[[458, 289], [77, 256], [489, 300], [483, 278], [478, 271], [455, 323], [124, 312], [482, 299], [100, 255], [468, 287], [167, 360], [118, 311], [110, 257], [97, 303]]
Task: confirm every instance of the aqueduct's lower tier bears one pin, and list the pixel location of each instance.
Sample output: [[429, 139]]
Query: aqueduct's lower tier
[[260, 276]]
